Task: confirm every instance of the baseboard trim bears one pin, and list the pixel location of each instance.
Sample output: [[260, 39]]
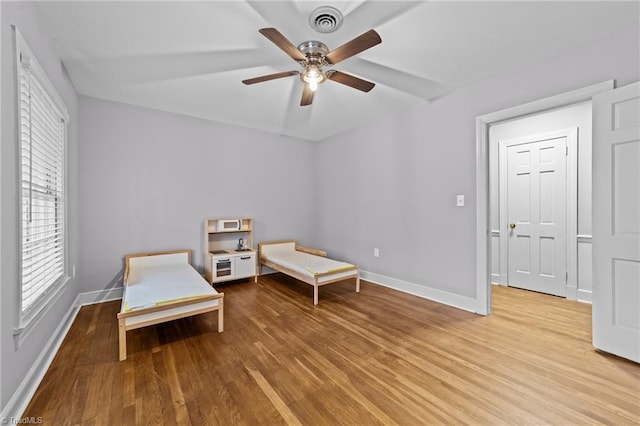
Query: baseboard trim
[[440, 296], [93, 297], [585, 296], [22, 396]]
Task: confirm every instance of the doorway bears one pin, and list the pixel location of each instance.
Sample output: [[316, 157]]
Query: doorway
[[542, 159], [616, 328], [490, 268], [540, 186]]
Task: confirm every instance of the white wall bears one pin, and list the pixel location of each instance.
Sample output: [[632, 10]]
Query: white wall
[[393, 184], [15, 363], [149, 179]]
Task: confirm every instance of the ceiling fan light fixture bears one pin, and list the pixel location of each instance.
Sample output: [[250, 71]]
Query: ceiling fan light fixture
[[313, 75]]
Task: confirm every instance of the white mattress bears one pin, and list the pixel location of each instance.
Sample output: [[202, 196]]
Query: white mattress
[[304, 263], [159, 284]]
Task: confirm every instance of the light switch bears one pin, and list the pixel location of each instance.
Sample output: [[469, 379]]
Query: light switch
[[460, 200]]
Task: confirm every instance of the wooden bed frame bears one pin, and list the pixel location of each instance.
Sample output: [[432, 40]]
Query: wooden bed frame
[[131, 320], [315, 280]]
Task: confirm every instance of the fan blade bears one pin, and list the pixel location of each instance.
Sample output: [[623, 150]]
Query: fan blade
[[294, 116], [307, 96], [283, 43], [353, 47], [350, 80], [270, 77]]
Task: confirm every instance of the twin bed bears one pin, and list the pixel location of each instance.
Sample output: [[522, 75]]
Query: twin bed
[[163, 286], [305, 264]]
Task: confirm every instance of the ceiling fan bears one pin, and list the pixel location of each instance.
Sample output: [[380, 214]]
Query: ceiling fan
[[313, 55]]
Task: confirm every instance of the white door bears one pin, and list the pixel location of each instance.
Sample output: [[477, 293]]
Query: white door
[[537, 216], [616, 222]]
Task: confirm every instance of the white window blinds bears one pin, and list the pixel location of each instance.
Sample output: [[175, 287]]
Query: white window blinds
[[42, 192]]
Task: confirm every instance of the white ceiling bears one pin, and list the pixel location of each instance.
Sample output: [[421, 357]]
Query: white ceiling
[[190, 57]]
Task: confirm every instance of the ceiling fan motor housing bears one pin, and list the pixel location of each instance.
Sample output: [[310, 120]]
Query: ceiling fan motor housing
[[313, 50]]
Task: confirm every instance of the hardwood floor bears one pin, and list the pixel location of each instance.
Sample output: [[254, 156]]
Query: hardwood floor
[[378, 357]]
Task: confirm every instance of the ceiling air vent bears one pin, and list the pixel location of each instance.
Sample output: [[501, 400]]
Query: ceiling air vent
[[325, 19]]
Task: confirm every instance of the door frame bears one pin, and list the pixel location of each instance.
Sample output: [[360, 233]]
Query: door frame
[[571, 197], [483, 122]]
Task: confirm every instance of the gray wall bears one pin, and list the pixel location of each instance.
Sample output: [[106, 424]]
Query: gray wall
[[15, 363], [393, 183], [149, 179]]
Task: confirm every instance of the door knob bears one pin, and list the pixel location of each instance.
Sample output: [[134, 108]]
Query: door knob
[[512, 225]]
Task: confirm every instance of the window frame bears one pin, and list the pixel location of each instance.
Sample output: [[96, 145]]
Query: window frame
[[27, 318]]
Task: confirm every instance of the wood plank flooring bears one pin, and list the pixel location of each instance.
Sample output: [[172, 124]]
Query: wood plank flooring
[[378, 357]]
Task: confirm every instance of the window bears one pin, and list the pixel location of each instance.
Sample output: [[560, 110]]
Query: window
[[41, 132]]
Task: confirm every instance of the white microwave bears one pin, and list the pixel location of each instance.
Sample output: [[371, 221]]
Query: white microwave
[[229, 224]]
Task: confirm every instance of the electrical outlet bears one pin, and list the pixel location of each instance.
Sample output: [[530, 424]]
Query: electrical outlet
[[376, 252]]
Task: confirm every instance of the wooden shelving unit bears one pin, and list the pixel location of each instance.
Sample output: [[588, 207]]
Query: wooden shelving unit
[[225, 259]]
